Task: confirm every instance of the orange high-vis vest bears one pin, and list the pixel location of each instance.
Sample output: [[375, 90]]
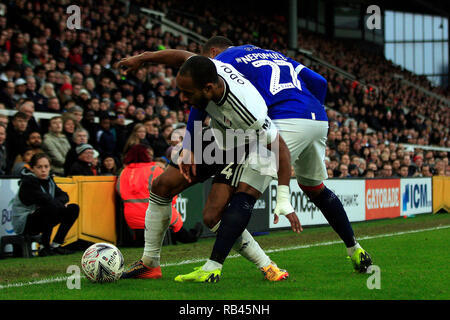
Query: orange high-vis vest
[[133, 186]]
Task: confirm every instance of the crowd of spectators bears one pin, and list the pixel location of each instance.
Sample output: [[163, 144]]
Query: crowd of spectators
[[99, 113]]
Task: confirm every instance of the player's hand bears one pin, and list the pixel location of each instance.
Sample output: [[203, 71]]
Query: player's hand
[[293, 220], [131, 63], [285, 208], [186, 164]]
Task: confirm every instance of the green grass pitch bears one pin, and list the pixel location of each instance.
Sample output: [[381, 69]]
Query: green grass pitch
[[412, 256]]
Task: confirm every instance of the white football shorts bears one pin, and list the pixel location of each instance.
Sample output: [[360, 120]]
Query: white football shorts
[[306, 140], [255, 179]]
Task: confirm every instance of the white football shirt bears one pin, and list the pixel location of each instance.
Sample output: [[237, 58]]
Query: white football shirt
[[241, 108]]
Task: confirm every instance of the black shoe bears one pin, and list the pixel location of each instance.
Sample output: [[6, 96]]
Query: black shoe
[[61, 250], [44, 252]]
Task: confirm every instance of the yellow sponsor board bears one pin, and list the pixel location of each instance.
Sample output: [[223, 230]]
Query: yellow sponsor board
[[441, 193], [96, 198]]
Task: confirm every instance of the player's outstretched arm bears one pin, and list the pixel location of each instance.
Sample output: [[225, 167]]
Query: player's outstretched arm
[[170, 57]]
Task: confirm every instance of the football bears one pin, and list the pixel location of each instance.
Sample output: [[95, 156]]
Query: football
[[102, 262]]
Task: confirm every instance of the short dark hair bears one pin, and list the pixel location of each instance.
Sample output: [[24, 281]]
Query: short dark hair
[[216, 41], [33, 131], [164, 127], [20, 114], [36, 157], [201, 69], [54, 118], [25, 150]]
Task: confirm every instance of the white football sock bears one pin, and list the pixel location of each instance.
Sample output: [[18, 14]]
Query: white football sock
[[157, 220], [351, 250], [247, 247], [211, 265]]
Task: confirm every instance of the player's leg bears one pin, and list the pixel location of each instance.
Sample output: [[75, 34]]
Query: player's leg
[[157, 220], [245, 244], [334, 212], [159, 212], [310, 172], [233, 223]]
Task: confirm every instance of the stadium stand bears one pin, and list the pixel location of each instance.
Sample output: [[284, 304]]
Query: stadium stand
[[382, 117]]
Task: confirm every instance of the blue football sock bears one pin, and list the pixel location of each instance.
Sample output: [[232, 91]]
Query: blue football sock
[[234, 221], [334, 212]]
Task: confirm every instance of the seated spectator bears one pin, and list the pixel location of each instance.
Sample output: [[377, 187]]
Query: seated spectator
[[84, 98], [353, 170], [38, 99], [120, 129], [369, 173], [80, 136], [54, 105], [83, 165], [110, 166], [137, 136], [24, 161], [95, 167], [426, 171], [93, 105], [40, 205], [343, 171], [34, 141], [403, 171], [6, 95], [162, 142], [27, 106], [330, 173], [387, 170], [134, 183], [20, 89], [56, 145], [90, 125], [138, 117], [105, 138], [418, 162], [65, 93], [47, 90], [16, 136], [412, 167], [77, 113], [69, 126]]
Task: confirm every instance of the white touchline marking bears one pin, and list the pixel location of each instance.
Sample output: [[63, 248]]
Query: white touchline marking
[[171, 264], [29, 283]]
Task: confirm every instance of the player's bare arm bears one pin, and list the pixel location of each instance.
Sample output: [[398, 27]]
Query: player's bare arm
[[170, 57], [284, 206]]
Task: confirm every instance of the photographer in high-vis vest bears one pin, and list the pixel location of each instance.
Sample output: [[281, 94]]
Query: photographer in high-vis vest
[[133, 187]]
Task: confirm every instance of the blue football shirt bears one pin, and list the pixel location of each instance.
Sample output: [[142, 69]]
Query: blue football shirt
[[287, 91]]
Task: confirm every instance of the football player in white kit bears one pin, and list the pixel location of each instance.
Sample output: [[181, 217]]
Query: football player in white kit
[[233, 103]]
